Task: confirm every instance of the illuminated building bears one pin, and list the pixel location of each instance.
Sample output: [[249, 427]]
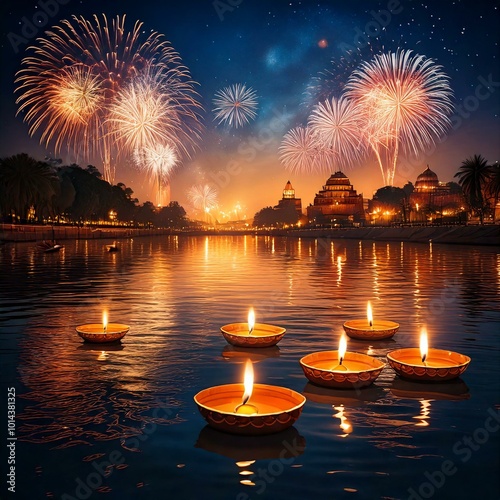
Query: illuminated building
[[337, 203], [289, 200], [431, 198]]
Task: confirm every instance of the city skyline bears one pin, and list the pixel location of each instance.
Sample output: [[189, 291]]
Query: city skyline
[[289, 54]]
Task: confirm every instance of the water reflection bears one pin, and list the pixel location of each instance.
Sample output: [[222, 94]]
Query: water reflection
[[286, 444], [453, 390], [175, 292], [282, 449], [255, 354]]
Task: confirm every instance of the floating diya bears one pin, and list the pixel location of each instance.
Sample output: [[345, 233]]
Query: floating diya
[[248, 408], [102, 332], [368, 329], [341, 369], [252, 334], [427, 364]]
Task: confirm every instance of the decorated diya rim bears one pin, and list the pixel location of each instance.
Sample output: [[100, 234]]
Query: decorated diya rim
[[289, 405], [361, 329], [93, 332], [340, 378], [263, 335], [452, 364]]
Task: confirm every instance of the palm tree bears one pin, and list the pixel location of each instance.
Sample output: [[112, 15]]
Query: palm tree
[[493, 187], [473, 177], [26, 183]]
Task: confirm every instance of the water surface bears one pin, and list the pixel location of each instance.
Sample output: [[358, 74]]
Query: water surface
[[119, 421]]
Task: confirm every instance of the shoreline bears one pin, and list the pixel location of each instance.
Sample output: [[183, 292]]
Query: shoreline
[[460, 235]]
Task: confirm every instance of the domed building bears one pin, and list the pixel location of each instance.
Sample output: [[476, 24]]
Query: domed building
[[432, 199], [337, 203], [426, 180]]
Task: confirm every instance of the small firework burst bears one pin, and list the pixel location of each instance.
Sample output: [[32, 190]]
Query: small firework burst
[[235, 105], [203, 197]]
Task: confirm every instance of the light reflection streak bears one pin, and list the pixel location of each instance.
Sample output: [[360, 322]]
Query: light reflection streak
[[425, 411], [344, 425]]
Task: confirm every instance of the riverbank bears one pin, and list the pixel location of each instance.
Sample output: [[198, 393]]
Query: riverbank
[[26, 232], [460, 235]]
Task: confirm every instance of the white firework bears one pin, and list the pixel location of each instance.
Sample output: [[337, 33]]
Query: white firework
[[235, 105], [159, 162], [203, 197], [301, 151], [338, 124]]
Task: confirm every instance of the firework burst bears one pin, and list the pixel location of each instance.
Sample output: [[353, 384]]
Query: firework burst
[[301, 152], [337, 124], [406, 100], [82, 70], [203, 197], [235, 105], [159, 162]]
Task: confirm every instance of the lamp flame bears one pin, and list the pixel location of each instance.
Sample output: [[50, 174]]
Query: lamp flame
[[251, 320], [424, 345], [104, 321], [342, 348], [247, 382], [369, 313]]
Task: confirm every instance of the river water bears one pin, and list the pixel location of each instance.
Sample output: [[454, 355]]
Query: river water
[[119, 421]]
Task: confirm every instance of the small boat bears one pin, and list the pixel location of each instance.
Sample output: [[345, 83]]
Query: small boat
[[113, 248], [49, 246]]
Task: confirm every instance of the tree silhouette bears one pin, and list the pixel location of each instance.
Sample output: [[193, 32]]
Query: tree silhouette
[[473, 177], [26, 183]]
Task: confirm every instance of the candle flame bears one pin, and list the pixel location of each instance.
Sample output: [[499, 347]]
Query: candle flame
[[251, 320], [104, 321], [342, 348], [424, 345], [369, 313], [248, 382]]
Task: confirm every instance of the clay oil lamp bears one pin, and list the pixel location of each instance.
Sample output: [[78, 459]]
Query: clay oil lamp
[[102, 332], [370, 329], [427, 364], [341, 369], [248, 408], [252, 334]]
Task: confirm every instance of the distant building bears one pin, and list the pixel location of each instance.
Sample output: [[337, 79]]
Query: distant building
[[431, 198], [289, 200], [338, 202]]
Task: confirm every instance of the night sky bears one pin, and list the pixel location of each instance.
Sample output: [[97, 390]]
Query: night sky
[[282, 49]]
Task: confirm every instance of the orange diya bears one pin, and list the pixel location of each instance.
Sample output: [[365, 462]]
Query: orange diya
[[102, 332], [248, 408], [370, 329], [252, 334], [341, 369], [427, 364]]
